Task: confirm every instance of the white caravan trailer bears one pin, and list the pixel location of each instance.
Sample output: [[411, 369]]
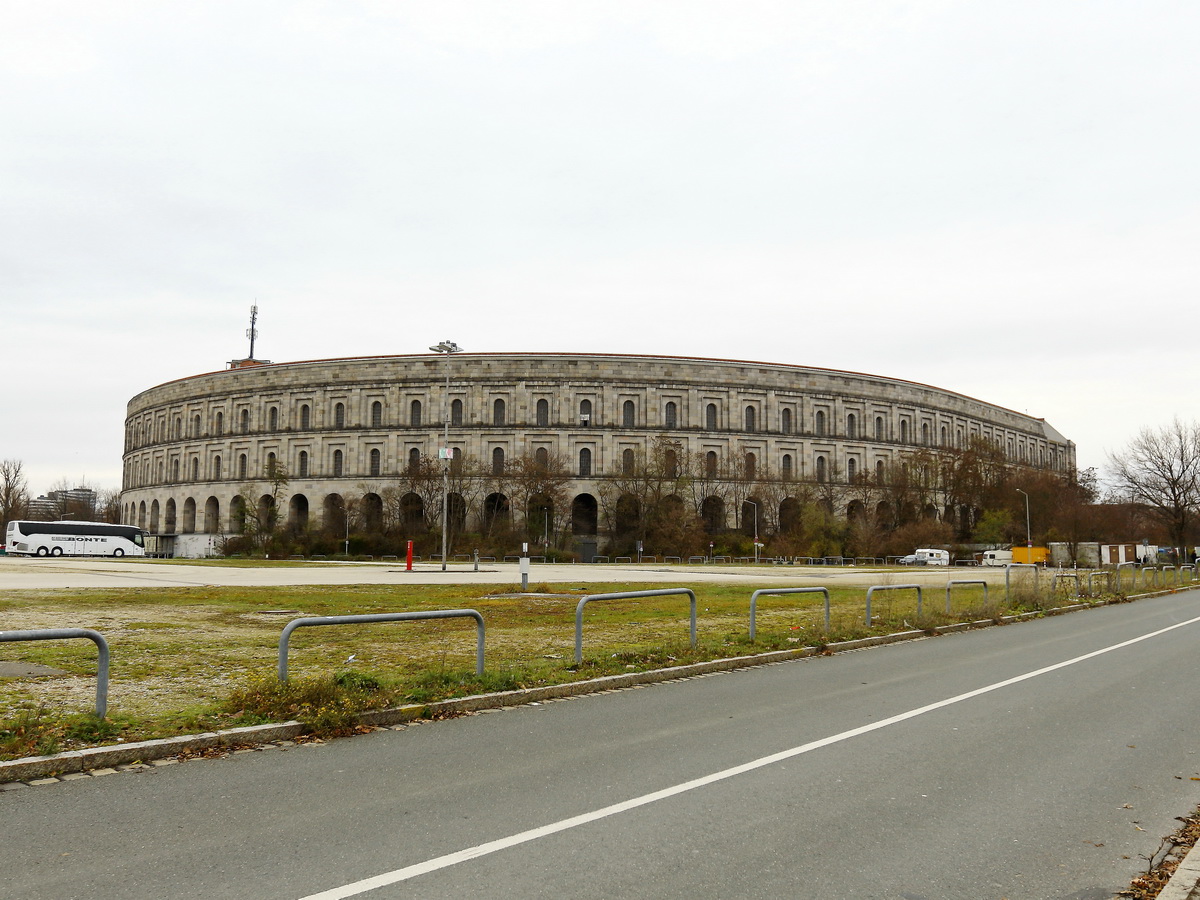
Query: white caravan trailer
[[929, 557]]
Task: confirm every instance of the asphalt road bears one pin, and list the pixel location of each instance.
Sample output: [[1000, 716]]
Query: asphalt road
[[1031, 761]]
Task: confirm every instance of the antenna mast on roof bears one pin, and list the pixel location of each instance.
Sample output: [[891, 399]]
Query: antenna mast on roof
[[252, 331]]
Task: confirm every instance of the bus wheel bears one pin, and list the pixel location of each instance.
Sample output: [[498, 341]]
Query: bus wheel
[[56, 551], [42, 551], [118, 552]]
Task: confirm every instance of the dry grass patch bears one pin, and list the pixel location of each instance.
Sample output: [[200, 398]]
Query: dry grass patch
[[182, 657]]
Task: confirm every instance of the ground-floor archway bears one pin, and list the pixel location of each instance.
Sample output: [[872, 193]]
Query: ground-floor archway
[[584, 515]]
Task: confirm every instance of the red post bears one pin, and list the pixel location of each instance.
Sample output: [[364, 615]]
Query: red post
[[408, 558]]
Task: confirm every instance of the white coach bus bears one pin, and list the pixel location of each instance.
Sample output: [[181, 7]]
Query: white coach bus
[[74, 539]]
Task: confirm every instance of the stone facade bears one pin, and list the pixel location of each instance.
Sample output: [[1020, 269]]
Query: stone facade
[[191, 445]]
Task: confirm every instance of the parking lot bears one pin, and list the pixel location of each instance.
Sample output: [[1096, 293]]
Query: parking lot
[[22, 573]]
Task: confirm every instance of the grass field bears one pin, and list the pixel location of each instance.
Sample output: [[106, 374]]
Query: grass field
[[189, 659]]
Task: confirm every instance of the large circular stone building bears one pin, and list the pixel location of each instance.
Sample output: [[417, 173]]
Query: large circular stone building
[[360, 437]]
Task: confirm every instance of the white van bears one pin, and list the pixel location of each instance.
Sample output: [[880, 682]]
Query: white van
[[997, 557]]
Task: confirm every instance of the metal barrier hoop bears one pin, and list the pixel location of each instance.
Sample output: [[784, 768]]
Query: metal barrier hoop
[[382, 617], [892, 587], [625, 595], [53, 634], [1037, 575], [966, 581], [804, 590]]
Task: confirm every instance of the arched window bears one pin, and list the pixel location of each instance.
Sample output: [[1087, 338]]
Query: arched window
[[271, 465], [498, 412], [585, 412], [195, 468], [751, 466], [219, 424], [671, 464], [376, 414], [302, 462], [498, 459], [671, 415], [414, 413], [175, 470], [585, 463], [456, 413], [851, 470], [943, 441], [339, 416], [821, 469], [541, 458], [338, 461], [217, 468], [456, 461], [750, 417], [879, 428], [245, 423], [710, 464], [305, 417], [178, 428], [710, 417], [543, 413], [904, 431], [820, 422], [785, 421], [627, 462], [852, 426], [880, 472], [925, 433], [627, 414], [242, 466], [376, 461], [414, 459], [196, 426], [786, 466], [273, 418]]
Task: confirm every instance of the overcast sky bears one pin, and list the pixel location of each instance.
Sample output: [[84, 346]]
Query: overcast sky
[[995, 198]]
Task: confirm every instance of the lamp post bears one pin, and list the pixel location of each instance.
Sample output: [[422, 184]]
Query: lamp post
[[755, 505], [446, 347], [346, 522], [1028, 534]]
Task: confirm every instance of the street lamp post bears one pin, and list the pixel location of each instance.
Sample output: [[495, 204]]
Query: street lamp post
[[446, 347], [1028, 534], [346, 522], [755, 505]]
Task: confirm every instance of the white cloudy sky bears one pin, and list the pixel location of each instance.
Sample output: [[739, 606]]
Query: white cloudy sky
[[996, 198]]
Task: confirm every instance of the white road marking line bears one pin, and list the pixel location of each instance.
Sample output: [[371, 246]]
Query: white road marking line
[[533, 834]]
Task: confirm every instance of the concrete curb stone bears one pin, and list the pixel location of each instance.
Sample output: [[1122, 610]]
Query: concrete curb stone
[[1185, 881]]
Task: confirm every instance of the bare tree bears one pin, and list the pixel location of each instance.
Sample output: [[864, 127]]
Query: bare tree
[[14, 492], [72, 501], [108, 506], [1160, 469], [541, 494], [260, 511]]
